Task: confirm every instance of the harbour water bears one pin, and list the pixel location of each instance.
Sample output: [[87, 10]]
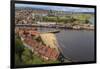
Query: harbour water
[[78, 45]]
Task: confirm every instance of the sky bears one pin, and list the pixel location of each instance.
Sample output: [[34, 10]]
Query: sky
[[57, 8]]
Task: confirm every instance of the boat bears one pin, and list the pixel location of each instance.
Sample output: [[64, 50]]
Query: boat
[[54, 31]]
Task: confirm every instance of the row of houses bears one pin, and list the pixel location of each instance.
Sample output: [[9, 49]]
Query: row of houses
[[23, 17], [84, 26], [37, 47], [43, 51]]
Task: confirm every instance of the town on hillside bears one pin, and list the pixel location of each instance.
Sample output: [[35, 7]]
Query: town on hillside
[[36, 47]]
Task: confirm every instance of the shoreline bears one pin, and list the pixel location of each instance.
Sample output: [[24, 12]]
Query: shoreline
[[56, 27]]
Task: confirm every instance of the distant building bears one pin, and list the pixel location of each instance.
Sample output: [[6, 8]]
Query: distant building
[[46, 23]]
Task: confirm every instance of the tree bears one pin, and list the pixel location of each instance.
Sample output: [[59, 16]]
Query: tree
[[57, 20], [86, 21], [27, 56], [19, 48]]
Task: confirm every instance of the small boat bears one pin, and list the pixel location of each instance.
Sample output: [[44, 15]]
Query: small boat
[[54, 31]]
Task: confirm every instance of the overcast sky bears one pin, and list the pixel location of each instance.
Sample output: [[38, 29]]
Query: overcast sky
[[58, 8]]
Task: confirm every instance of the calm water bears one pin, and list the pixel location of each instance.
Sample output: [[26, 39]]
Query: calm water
[[75, 44]]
